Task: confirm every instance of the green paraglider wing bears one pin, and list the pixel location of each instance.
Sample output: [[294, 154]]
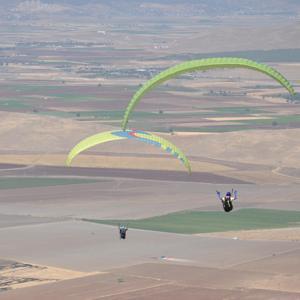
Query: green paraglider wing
[[139, 135], [91, 141], [203, 64]]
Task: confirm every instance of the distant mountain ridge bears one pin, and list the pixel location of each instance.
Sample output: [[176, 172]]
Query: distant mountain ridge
[[154, 8]]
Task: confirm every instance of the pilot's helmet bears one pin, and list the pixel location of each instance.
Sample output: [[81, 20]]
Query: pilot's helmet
[[228, 194]]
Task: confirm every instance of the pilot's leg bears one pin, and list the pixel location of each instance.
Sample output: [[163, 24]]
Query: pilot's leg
[[224, 204]]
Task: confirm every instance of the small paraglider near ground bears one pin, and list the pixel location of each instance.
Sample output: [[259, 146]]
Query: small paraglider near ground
[[227, 200], [123, 230]]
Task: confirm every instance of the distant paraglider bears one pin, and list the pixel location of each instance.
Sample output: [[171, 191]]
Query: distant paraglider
[[138, 135], [203, 64], [122, 230], [227, 200]]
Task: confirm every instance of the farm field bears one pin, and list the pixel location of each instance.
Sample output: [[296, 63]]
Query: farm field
[[68, 70]]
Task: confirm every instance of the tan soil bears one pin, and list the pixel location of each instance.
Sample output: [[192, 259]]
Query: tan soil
[[281, 234]]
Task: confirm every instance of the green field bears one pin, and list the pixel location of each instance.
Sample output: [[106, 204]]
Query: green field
[[27, 182], [100, 114], [224, 128], [238, 110], [14, 105], [276, 120], [191, 222]]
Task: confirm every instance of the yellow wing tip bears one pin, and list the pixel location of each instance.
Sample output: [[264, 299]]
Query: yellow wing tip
[[68, 162]]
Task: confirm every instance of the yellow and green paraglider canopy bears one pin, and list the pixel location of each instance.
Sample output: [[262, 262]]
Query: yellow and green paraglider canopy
[[138, 135], [203, 64]]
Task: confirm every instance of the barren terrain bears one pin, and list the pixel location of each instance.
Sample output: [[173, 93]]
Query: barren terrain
[[66, 74]]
